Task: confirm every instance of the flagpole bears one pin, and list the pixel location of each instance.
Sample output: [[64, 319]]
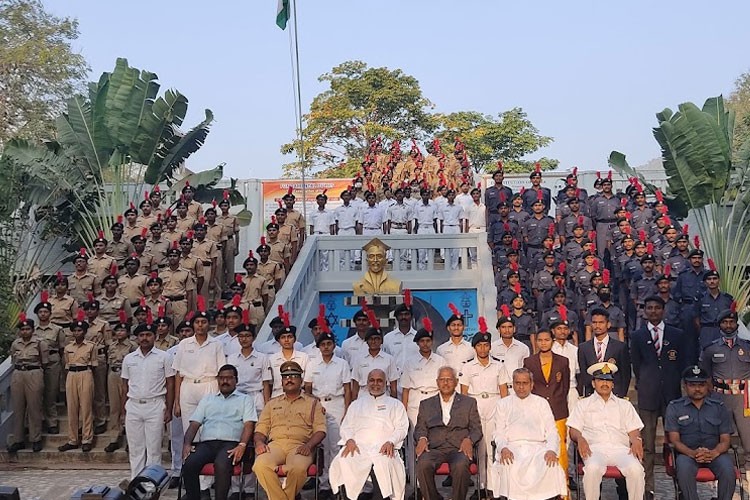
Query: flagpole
[[298, 105]]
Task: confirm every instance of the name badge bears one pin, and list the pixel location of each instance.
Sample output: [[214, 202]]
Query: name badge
[[683, 417], [718, 355]]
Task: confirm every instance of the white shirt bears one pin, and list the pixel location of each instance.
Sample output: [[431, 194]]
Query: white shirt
[[313, 352], [272, 346], [385, 203], [321, 221], [371, 421], [328, 379], [446, 407], [401, 346], [147, 375], [365, 364], [452, 215], [465, 200], [373, 217], [604, 344], [400, 213], [252, 371], [605, 422], [660, 326], [529, 420], [511, 357], [347, 216], [420, 373], [354, 347], [571, 352], [477, 216], [197, 361], [456, 354], [479, 378], [426, 214], [276, 360]]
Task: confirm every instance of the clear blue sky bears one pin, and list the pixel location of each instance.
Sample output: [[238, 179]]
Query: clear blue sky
[[591, 74]]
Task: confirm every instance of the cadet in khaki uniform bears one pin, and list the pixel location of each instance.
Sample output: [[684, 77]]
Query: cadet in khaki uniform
[[81, 282], [100, 263], [256, 290], [271, 270], [147, 261], [206, 251], [155, 301], [164, 341], [116, 352], [215, 233], [80, 358], [100, 333], [157, 245], [179, 286], [280, 251], [295, 217], [194, 209], [132, 284], [289, 429], [28, 353], [231, 234], [191, 262], [171, 233], [64, 307], [111, 302], [184, 221], [288, 233], [131, 228], [54, 336], [118, 247]]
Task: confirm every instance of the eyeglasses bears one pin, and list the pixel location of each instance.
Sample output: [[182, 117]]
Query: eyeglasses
[[290, 375]]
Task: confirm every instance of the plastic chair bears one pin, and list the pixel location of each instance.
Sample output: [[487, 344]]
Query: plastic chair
[[246, 467], [612, 472], [444, 469]]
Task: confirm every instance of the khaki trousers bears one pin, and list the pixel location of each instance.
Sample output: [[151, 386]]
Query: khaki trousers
[[51, 389], [115, 392], [282, 453], [27, 388], [228, 255], [100, 391], [79, 394]]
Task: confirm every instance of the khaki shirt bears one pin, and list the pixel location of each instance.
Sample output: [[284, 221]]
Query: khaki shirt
[[99, 266], [271, 270], [63, 309], [119, 250], [205, 250], [177, 282], [80, 286], [158, 249], [296, 218], [130, 231], [35, 352], [53, 335], [117, 351], [193, 264], [186, 224], [296, 420], [154, 304], [83, 354], [148, 263], [229, 223], [109, 307], [279, 251], [288, 234], [166, 342], [145, 221], [132, 287], [255, 288], [171, 236], [195, 210], [215, 233], [100, 333]]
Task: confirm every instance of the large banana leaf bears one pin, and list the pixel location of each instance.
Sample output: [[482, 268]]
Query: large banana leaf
[[173, 154]]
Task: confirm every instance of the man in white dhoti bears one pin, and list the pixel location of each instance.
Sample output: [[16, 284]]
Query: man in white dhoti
[[526, 438], [608, 432], [373, 430]]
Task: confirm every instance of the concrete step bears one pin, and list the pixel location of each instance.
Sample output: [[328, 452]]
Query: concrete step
[[95, 456]]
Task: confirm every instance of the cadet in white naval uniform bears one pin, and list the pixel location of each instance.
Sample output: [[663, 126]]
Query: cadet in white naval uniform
[[322, 221], [373, 216], [427, 214], [374, 358], [452, 221], [399, 219], [348, 219], [457, 349], [510, 351], [287, 337]]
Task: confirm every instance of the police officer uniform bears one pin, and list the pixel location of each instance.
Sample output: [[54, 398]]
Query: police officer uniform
[[80, 359], [29, 357]]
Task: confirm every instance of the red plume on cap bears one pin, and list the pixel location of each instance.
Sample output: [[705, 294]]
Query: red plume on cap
[[605, 276], [201, 220], [623, 202], [263, 241], [321, 310], [281, 310], [122, 316], [733, 307], [201, 303], [175, 244], [563, 312], [517, 288], [238, 279], [551, 229], [324, 191], [363, 303], [598, 175], [580, 220], [213, 203], [100, 234], [145, 195], [189, 316], [119, 219], [89, 297], [219, 305], [506, 227], [592, 236], [22, 317], [523, 190], [663, 209], [246, 316], [503, 197], [273, 219], [562, 267], [514, 266], [454, 309], [81, 316], [711, 264], [144, 232], [225, 195], [373, 319], [187, 183], [697, 242], [667, 269], [628, 216], [407, 298], [649, 248], [667, 220], [160, 311], [593, 246], [132, 206], [142, 303], [153, 275], [82, 252], [427, 324], [113, 269], [540, 195], [659, 196], [685, 230], [609, 175], [642, 235], [505, 310], [280, 205], [595, 265], [236, 300], [45, 296], [575, 172], [482, 324], [537, 167], [289, 190], [250, 254], [514, 244]]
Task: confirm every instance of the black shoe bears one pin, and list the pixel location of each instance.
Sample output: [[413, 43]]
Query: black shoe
[[649, 495], [15, 447], [111, 447], [86, 447], [309, 484], [205, 494], [572, 485], [54, 430], [100, 429], [234, 496], [448, 481], [174, 482], [325, 495], [36, 447], [67, 446]]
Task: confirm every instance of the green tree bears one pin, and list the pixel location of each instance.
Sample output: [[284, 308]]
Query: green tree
[[360, 104], [739, 102], [38, 69], [509, 137]]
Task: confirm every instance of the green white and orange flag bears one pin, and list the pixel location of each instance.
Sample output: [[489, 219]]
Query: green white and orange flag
[[282, 14]]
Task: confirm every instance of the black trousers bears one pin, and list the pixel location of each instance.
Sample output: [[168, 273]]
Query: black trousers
[[429, 461], [215, 452]]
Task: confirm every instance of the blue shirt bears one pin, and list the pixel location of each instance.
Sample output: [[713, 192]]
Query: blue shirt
[[223, 417], [698, 426]]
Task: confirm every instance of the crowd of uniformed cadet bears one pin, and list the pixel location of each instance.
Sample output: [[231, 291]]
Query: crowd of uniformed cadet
[[608, 279]]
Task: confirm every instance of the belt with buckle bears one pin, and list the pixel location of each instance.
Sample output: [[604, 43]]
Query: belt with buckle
[[25, 368], [373, 228], [145, 400], [606, 221], [78, 368], [175, 298], [399, 225], [257, 303], [207, 263], [101, 351], [486, 395], [331, 398], [54, 351], [428, 393], [115, 368], [200, 380]]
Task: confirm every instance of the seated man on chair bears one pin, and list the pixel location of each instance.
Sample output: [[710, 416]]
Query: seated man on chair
[[289, 429], [226, 421], [526, 463], [372, 432], [448, 427], [699, 429], [607, 430]]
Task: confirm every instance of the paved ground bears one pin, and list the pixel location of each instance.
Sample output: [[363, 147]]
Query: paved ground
[[61, 483]]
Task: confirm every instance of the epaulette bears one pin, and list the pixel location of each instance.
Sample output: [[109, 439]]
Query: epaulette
[[496, 359]]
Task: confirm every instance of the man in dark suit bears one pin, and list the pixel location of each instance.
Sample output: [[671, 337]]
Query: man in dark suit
[[603, 348], [448, 427], [659, 357]]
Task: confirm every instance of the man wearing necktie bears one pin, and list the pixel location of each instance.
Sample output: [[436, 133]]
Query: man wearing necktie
[[727, 361], [600, 349], [659, 358]]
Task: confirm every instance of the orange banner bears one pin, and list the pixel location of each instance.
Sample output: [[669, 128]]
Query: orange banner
[[274, 189]]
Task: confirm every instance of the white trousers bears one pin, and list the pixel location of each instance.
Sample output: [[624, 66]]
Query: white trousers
[[620, 457], [486, 408], [323, 257], [404, 255], [451, 254], [334, 415], [346, 261], [144, 426], [176, 440], [473, 250], [423, 253]]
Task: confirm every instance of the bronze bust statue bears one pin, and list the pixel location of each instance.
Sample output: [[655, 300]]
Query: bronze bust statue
[[376, 281]]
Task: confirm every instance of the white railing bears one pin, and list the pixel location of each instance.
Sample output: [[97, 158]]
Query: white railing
[[299, 295], [6, 410]]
